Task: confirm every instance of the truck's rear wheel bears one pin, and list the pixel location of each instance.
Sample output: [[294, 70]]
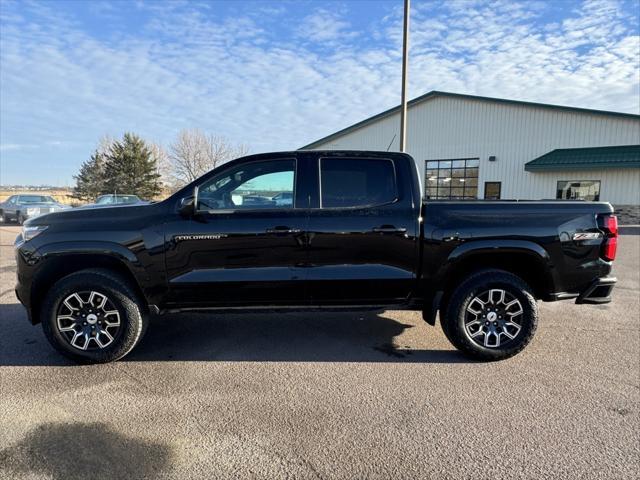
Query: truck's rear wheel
[[93, 316], [491, 316]]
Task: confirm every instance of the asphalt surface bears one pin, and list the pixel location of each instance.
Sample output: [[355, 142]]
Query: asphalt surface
[[331, 395]]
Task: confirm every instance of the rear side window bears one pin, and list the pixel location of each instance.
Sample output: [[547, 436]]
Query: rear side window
[[348, 182]]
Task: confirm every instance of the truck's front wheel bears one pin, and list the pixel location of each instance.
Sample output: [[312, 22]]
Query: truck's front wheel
[[492, 315], [93, 316]]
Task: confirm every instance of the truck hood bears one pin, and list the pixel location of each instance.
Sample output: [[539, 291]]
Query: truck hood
[[119, 205], [106, 214]]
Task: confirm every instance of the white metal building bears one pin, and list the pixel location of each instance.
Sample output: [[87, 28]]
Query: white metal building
[[477, 147]]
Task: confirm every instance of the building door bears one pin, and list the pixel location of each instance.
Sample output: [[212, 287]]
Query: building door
[[492, 190]]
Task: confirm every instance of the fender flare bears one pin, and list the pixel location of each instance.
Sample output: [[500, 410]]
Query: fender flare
[[91, 247], [475, 248], [488, 247], [45, 258]]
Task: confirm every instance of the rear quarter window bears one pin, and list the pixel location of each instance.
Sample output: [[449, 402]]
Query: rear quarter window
[[348, 182]]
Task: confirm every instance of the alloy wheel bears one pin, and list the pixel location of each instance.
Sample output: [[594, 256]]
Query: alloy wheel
[[493, 318], [88, 320]]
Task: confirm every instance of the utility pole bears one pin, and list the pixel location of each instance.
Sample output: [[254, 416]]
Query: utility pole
[[405, 61]]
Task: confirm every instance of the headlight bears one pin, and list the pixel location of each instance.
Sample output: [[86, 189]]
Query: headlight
[[32, 211], [29, 232]]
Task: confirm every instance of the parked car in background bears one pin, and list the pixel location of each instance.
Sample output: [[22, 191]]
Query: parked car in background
[[19, 208], [113, 200], [283, 199], [257, 201]]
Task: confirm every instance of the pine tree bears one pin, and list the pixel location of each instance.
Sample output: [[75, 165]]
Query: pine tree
[[90, 179], [131, 168]]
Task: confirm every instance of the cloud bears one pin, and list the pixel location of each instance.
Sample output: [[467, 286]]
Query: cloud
[[278, 81], [325, 27], [14, 146]]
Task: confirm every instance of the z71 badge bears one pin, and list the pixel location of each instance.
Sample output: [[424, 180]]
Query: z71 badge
[[181, 238], [586, 236]]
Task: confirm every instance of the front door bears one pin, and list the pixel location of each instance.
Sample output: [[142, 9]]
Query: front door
[[363, 231], [245, 245]]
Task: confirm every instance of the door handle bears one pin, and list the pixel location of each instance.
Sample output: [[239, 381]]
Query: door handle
[[281, 229], [389, 229]]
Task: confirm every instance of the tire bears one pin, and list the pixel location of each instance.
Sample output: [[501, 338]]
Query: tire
[[484, 323], [121, 316], [2, 218]]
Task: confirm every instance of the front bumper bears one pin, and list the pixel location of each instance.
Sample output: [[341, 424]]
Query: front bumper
[[26, 258], [598, 292]]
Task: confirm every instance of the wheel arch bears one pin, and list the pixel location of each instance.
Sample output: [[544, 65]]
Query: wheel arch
[[527, 260], [59, 266]]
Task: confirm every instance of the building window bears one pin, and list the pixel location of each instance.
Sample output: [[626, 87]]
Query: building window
[[578, 190], [452, 179], [492, 190]]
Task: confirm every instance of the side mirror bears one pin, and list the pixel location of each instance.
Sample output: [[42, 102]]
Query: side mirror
[[189, 205]]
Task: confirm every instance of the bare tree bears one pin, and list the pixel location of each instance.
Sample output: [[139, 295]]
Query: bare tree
[[195, 153], [164, 166]]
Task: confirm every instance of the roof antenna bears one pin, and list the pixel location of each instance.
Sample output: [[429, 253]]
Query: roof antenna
[[394, 137]]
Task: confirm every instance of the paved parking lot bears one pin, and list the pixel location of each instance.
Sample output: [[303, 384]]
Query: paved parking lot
[[331, 395]]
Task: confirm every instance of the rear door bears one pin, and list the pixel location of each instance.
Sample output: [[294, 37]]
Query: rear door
[[363, 230], [243, 247]]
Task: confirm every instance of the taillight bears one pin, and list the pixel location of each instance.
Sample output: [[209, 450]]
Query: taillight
[[609, 249], [610, 244]]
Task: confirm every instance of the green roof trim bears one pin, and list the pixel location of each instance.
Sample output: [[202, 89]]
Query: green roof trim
[[437, 93], [621, 156]]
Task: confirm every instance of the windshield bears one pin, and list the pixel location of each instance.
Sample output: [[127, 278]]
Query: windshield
[[36, 199], [111, 199]]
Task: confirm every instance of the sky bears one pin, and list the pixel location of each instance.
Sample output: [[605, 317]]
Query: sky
[[276, 75]]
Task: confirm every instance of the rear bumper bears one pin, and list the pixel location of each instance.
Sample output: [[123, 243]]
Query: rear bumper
[[598, 292]]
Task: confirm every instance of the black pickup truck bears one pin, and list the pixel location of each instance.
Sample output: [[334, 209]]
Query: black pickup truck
[[312, 229]]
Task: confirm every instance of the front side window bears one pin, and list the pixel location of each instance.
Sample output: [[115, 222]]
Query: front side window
[[452, 179], [348, 182], [36, 199], [105, 200], [127, 199], [578, 190], [258, 185]]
